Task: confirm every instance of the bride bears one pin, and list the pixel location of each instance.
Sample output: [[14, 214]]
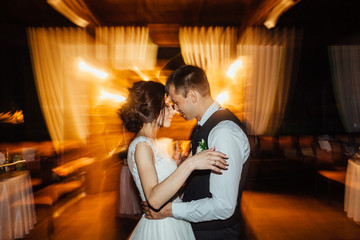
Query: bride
[[156, 175]]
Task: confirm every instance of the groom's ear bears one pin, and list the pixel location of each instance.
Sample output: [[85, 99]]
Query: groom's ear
[[193, 95]]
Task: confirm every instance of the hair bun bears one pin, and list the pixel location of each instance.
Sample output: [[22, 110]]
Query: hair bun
[[131, 119], [143, 105]]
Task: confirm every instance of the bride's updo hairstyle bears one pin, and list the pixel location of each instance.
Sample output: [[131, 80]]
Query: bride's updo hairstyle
[[144, 104]]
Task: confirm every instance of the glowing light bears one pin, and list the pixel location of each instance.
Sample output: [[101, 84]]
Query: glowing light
[[114, 97], [234, 68], [141, 74], [86, 68], [222, 97], [277, 11], [13, 118]]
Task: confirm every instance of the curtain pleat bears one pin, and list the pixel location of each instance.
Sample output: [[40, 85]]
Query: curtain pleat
[[124, 48], [67, 95], [213, 49], [259, 91], [345, 72], [63, 96], [270, 60]]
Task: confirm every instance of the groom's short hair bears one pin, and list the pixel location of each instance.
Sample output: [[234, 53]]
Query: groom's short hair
[[186, 78]]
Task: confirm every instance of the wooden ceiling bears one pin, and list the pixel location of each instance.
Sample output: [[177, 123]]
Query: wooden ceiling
[[163, 17], [182, 12]]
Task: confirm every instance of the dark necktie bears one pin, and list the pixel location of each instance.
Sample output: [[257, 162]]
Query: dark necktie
[[196, 129], [194, 132]]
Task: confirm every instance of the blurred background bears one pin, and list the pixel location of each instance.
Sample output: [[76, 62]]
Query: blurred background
[[289, 69]]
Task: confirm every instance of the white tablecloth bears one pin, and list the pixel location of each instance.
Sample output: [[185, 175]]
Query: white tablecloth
[[352, 191], [128, 198], [17, 211]]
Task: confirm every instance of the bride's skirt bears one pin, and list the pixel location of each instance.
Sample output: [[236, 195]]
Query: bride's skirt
[[166, 229]]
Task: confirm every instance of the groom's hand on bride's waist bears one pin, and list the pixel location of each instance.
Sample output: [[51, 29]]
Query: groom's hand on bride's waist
[[164, 212]]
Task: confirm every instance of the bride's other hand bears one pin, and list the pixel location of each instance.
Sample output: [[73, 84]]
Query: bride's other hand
[[208, 159]]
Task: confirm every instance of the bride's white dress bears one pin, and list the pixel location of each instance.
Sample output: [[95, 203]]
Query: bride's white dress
[[168, 228]]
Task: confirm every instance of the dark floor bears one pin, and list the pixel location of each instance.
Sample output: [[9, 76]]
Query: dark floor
[[278, 211]]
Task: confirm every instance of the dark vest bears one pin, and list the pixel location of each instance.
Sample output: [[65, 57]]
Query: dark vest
[[197, 186]]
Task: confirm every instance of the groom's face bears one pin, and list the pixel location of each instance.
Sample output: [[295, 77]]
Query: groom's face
[[182, 104]]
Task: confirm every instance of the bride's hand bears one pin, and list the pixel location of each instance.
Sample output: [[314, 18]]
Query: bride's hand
[[209, 159]]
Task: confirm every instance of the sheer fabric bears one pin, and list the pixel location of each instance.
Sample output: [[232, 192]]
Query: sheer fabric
[[213, 49], [269, 57], [63, 95], [68, 95], [259, 89], [345, 72], [126, 47]]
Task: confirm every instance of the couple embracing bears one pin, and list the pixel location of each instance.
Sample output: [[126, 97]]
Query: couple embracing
[[213, 179]]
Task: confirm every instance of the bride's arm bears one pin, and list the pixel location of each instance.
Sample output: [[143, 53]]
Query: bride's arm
[[157, 194]]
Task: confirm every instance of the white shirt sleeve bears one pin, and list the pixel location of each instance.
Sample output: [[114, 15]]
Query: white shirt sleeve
[[227, 137]]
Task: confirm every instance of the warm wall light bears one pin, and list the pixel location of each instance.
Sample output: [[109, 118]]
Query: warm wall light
[[222, 97], [234, 68], [141, 74], [114, 97], [13, 118], [68, 12], [86, 68], [277, 11]]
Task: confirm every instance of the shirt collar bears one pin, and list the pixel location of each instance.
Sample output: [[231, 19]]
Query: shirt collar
[[213, 108]]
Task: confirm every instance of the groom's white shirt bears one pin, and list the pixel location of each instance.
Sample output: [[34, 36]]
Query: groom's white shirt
[[227, 137]]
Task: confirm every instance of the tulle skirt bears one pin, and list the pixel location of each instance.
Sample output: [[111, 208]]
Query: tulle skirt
[[162, 229]]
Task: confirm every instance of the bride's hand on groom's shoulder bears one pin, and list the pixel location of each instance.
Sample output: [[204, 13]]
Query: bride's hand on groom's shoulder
[[164, 212]]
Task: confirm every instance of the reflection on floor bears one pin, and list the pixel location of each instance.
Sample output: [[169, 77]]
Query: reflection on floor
[[292, 213], [269, 213]]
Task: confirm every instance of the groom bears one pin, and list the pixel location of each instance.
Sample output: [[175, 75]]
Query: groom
[[211, 202]]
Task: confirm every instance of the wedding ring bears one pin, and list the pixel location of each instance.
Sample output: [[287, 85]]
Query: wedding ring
[[214, 163]]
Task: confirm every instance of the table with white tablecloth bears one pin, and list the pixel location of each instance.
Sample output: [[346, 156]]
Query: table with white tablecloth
[[352, 190], [128, 197], [17, 211]]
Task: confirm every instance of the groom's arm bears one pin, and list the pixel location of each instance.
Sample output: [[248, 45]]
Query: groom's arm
[[227, 137], [151, 214]]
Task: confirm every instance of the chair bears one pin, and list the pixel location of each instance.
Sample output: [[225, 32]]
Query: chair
[[288, 145], [66, 190], [330, 165]]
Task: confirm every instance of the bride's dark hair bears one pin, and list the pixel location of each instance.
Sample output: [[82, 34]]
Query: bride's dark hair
[[145, 103]]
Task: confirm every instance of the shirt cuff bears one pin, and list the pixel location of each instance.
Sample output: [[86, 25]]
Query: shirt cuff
[[178, 210]]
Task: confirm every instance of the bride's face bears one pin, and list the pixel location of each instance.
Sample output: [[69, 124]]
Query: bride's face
[[169, 113], [166, 115]]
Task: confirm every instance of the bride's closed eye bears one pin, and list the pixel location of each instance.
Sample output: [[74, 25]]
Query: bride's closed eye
[[170, 105]]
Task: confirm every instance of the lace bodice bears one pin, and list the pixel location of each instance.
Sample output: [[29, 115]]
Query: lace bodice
[[164, 165]]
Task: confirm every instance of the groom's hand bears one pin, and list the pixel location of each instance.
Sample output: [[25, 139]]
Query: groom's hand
[[151, 214]]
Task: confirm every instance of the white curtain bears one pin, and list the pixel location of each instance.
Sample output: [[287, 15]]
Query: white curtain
[[64, 97], [213, 49], [268, 57], [258, 92], [345, 72], [72, 97], [125, 48], [208, 48], [132, 55]]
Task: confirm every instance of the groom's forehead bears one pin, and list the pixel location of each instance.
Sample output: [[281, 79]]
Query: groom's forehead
[[172, 93], [175, 94]]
